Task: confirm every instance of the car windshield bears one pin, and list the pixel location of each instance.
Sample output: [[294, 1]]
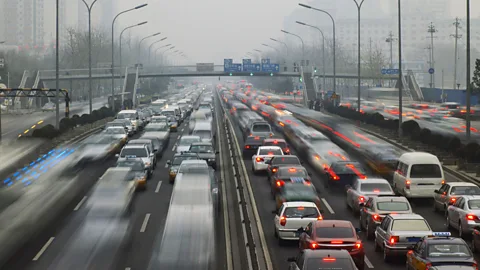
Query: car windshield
[[334, 232], [375, 187], [204, 107], [156, 128], [261, 128], [126, 116], [426, 171], [102, 140], [348, 168], [448, 250], [410, 225], [137, 152], [201, 148], [167, 113], [178, 160], [188, 141], [287, 173], [159, 120], [201, 169], [135, 165], [254, 140], [474, 204], [114, 124], [115, 130], [204, 134], [301, 212], [466, 190], [286, 160], [329, 263], [393, 206], [270, 152]]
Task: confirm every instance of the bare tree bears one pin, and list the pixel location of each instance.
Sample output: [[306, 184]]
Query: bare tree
[[373, 60]]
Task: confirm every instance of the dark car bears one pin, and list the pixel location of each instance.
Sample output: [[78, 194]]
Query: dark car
[[296, 193], [344, 173], [137, 173], [322, 259], [290, 175], [333, 234], [206, 152], [280, 161], [259, 128], [174, 165], [251, 145]]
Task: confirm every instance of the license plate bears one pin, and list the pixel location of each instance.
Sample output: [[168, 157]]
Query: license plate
[[413, 239]]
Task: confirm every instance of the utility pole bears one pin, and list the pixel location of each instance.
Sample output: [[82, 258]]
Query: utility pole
[[430, 60], [390, 40], [432, 30], [456, 36]]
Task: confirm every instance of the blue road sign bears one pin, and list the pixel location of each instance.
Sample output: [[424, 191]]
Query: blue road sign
[[390, 71], [265, 61], [251, 68], [246, 61], [270, 68], [431, 70], [233, 68], [227, 62]]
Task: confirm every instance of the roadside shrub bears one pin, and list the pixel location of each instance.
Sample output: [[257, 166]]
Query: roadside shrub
[[66, 124], [453, 144], [75, 120], [96, 115], [425, 135], [470, 151], [410, 127], [86, 119]]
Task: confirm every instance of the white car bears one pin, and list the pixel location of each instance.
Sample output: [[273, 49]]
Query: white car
[[362, 189], [294, 215], [186, 141], [263, 154]]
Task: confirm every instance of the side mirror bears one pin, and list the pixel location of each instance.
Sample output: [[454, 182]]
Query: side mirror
[[168, 162], [291, 259], [117, 155], [361, 204], [155, 150], [358, 230], [136, 118], [436, 191]]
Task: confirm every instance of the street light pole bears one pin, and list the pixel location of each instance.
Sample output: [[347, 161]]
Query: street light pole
[[150, 48], [140, 45], [334, 45], [400, 88], [359, 6], [469, 87], [89, 9], [57, 69], [113, 50], [303, 44], [323, 46], [159, 49], [286, 48], [121, 34]]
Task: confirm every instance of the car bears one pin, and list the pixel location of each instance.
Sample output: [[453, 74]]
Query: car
[[263, 155], [117, 124], [206, 152], [150, 146], [185, 142], [344, 173], [376, 208], [449, 192], [159, 119], [49, 107], [116, 133], [174, 165], [138, 151], [333, 234], [463, 214], [362, 189], [398, 232], [278, 142], [296, 192], [382, 159], [193, 168], [160, 131], [251, 145], [138, 172], [158, 145], [289, 175], [173, 123], [259, 128], [278, 161], [99, 147], [322, 259], [132, 129], [440, 251], [291, 216]]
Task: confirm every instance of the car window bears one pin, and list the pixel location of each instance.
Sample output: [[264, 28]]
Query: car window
[[115, 131], [291, 172], [375, 187], [448, 250], [425, 171], [204, 134], [329, 263], [156, 128], [410, 225], [178, 160], [261, 128], [334, 232], [137, 152], [393, 206], [188, 141], [256, 139], [467, 190], [135, 165], [270, 152], [301, 212], [279, 144], [286, 160], [474, 204], [201, 148], [126, 116]]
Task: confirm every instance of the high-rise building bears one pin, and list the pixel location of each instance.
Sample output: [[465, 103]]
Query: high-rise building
[[23, 22], [108, 11]]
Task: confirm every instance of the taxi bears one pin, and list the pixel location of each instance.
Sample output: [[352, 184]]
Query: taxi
[[137, 173], [440, 251]]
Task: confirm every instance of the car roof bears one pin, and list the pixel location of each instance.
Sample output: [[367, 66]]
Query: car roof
[[461, 184], [272, 147], [418, 157], [471, 197], [194, 161], [189, 137], [134, 146], [127, 111], [140, 141], [390, 198], [406, 216], [444, 240], [319, 253], [373, 180], [185, 154], [202, 143], [298, 204], [274, 139], [334, 223]]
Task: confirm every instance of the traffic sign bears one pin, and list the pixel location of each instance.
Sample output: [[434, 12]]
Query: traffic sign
[[390, 71], [232, 68], [273, 68], [265, 61], [251, 68], [227, 62], [431, 70], [246, 61]]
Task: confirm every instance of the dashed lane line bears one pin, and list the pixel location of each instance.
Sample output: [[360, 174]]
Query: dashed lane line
[[330, 209], [44, 248], [368, 263], [80, 204], [145, 223], [158, 186]]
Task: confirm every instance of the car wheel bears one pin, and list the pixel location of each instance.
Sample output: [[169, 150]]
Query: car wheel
[[447, 222], [460, 230], [435, 209], [275, 233]]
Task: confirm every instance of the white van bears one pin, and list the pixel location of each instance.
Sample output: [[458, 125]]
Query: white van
[[131, 115], [418, 175]]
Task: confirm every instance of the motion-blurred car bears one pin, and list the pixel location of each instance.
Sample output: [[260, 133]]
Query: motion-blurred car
[[260, 129], [49, 107], [174, 165], [148, 143], [185, 142], [276, 162], [322, 259], [138, 151], [138, 172], [206, 152], [160, 131], [116, 133], [290, 175], [278, 142], [344, 173], [362, 189], [295, 193]]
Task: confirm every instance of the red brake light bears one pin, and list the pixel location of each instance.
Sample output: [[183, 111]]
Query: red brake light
[[313, 245], [376, 217], [259, 159], [257, 138], [453, 199], [358, 245], [275, 141], [361, 199], [394, 239], [407, 184], [336, 242], [247, 146], [376, 190], [280, 183], [274, 170], [329, 259], [471, 217], [283, 220], [270, 153], [292, 170], [287, 150], [319, 218]]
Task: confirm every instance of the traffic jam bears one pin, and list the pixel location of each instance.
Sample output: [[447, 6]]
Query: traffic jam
[[333, 197]]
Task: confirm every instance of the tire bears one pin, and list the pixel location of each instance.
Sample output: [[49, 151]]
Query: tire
[[370, 235], [447, 222], [461, 234]]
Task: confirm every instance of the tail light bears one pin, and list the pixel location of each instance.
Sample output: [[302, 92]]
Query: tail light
[[283, 220], [361, 199], [329, 259], [274, 170], [358, 245], [271, 134], [336, 242], [471, 217], [428, 266], [376, 218], [320, 217], [394, 239], [443, 182], [247, 146], [280, 183], [313, 245], [475, 265], [287, 150], [407, 184], [453, 200], [259, 159]]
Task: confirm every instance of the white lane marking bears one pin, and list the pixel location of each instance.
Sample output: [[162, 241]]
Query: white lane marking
[[128, 268], [178, 137], [368, 263], [158, 186], [80, 204], [182, 129], [166, 165], [330, 209], [44, 248], [145, 223], [173, 148]]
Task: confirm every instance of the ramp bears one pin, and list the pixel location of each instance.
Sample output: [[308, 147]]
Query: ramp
[[129, 87], [309, 86], [414, 87]]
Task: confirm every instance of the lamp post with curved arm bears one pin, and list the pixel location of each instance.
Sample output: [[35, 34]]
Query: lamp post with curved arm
[[89, 9], [121, 34], [140, 45], [168, 49], [150, 48], [334, 46], [156, 50], [323, 46], [303, 45], [113, 50]]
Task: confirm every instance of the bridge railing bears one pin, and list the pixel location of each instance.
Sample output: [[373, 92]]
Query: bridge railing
[[80, 72]]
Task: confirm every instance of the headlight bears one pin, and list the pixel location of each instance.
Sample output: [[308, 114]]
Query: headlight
[[173, 172], [211, 160], [147, 163]]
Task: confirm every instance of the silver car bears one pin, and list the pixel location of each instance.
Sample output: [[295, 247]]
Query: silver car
[[185, 142], [463, 214], [449, 192], [362, 189]]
